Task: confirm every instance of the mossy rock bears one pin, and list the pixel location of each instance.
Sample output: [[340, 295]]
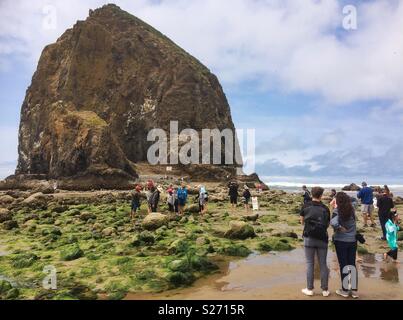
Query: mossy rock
[[287, 234], [179, 279], [179, 247], [12, 294], [240, 230], [180, 265], [235, 250], [5, 286], [202, 264], [147, 238], [51, 231], [275, 244], [71, 252], [10, 225], [362, 250], [24, 260]]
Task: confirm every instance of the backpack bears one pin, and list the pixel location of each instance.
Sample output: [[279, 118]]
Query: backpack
[[181, 194], [315, 229]]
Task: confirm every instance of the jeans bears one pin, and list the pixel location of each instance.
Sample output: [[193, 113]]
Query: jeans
[[346, 255], [310, 262], [382, 220]]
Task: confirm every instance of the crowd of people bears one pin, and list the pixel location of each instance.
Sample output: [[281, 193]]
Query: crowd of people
[[316, 218], [177, 197]]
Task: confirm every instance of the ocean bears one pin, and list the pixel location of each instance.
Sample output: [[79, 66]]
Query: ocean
[[291, 187]]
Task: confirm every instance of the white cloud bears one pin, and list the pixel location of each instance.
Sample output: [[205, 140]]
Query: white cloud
[[284, 43]]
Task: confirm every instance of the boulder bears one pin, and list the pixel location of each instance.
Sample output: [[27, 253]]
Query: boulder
[[240, 230], [108, 232], [10, 224], [193, 208], [251, 217], [71, 252], [153, 221], [143, 80], [6, 199], [5, 215], [351, 187]]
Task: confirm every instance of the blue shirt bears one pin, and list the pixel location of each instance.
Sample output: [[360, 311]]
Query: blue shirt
[[366, 195]]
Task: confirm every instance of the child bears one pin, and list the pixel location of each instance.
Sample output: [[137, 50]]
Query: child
[[391, 236], [171, 199], [246, 197], [203, 199], [136, 201]]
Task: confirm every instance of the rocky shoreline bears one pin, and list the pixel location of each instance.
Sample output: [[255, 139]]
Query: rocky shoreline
[[99, 252]]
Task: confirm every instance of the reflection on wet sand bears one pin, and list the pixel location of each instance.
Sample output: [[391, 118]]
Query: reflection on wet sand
[[282, 276]]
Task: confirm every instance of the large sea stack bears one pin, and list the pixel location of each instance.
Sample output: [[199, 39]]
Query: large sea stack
[[100, 89]]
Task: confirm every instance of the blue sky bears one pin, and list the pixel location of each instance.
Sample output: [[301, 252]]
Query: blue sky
[[326, 103]]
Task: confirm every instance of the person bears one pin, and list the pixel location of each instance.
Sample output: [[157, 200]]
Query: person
[[136, 201], [315, 217], [202, 198], [385, 207], [233, 193], [307, 195], [392, 227], [345, 241], [246, 196], [182, 195], [171, 199], [366, 195], [155, 198], [333, 203], [150, 190]]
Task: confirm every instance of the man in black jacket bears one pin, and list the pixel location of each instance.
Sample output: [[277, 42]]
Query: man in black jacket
[[315, 217]]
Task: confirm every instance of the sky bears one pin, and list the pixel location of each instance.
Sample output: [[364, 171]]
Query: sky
[[323, 90]]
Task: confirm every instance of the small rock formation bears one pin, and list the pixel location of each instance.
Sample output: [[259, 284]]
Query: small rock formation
[[240, 230], [154, 221], [100, 89], [352, 187]]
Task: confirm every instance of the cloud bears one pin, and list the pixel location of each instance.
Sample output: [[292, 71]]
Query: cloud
[[360, 162], [283, 142], [293, 46]]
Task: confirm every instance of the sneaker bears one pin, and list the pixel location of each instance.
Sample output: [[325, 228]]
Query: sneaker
[[342, 293], [326, 293], [307, 292], [354, 294]]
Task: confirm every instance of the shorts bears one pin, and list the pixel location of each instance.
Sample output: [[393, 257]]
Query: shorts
[[246, 200], [393, 254], [135, 207], [233, 199], [367, 209], [181, 203]]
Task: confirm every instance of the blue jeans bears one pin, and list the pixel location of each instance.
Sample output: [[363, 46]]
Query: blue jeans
[[346, 254]]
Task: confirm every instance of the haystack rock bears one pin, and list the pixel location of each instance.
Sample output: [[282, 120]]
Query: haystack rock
[[100, 89]]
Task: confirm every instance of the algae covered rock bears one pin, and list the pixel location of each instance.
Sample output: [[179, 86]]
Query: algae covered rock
[[154, 221], [240, 230], [5, 215], [71, 252], [10, 225], [275, 244]]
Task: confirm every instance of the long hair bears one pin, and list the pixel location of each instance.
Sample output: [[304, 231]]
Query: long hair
[[344, 206], [386, 190]]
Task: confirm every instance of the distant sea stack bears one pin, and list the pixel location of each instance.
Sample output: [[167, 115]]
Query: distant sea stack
[[101, 88]]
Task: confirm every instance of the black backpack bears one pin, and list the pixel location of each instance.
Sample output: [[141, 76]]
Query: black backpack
[[314, 228]]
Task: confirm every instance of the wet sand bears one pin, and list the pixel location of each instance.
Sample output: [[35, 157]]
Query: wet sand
[[281, 276]]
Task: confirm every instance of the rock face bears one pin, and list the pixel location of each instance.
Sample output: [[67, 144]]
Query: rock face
[[100, 89]]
